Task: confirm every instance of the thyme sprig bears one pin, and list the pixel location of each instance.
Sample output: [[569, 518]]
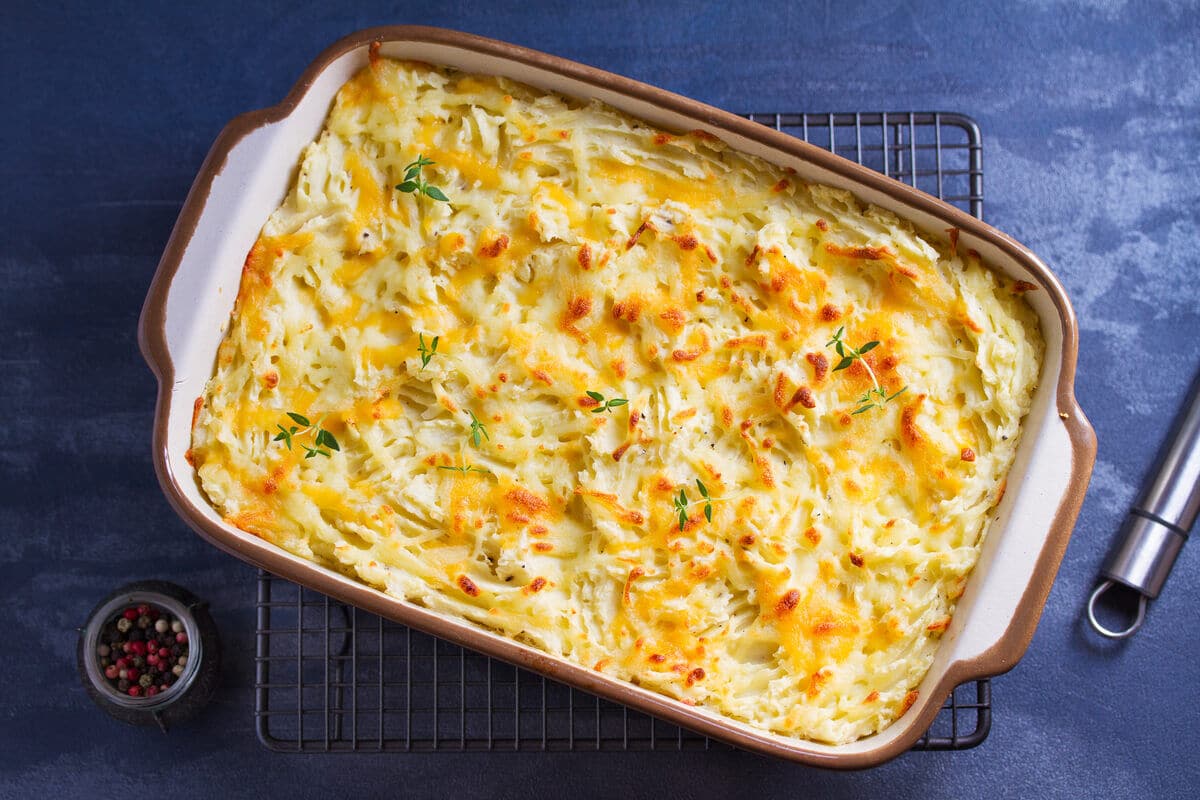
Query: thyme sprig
[[464, 469], [605, 405], [681, 504], [478, 430], [413, 182], [323, 442], [874, 397], [427, 352]]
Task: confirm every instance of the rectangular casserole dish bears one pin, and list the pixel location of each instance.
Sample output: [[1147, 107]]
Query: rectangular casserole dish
[[249, 170]]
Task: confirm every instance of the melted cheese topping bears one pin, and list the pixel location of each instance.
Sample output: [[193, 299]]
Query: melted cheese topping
[[583, 251]]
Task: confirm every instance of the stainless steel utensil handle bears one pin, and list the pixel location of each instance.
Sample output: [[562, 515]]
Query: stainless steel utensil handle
[[1159, 523]]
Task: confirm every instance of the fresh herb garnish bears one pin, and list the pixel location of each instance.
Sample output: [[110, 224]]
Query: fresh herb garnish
[[874, 397], [681, 504], [323, 441], [707, 500], [413, 182], [477, 430], [468, 468], [427, 352], [605, 405]]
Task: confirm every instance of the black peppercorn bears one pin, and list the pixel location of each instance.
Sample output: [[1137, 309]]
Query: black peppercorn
[[123, 685], [135, 635]]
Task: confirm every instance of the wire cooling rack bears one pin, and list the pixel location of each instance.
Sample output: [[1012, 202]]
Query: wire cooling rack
[[334, 678]]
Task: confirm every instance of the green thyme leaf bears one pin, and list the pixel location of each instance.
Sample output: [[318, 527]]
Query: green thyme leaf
[[427, 351], [703, 489], [478, 430], [413, 182], [300, 419], [849, 356], [708, 511], [605, 405]]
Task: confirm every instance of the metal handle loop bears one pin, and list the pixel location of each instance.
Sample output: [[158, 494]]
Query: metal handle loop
[[1111, 634]]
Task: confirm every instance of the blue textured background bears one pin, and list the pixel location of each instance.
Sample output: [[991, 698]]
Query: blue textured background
[[1091, 121]]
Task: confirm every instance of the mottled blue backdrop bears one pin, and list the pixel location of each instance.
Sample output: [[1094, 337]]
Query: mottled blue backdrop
[[1091, 121]]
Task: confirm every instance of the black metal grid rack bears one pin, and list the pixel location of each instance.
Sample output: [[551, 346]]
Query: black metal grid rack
[[334, 678]]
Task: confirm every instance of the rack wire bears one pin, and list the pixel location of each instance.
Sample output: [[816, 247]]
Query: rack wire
[[333, 678]]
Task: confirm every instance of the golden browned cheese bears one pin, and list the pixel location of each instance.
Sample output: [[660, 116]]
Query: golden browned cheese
[[584, 257]]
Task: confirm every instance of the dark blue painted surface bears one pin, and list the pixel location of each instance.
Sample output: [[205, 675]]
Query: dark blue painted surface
[[1091, 118]]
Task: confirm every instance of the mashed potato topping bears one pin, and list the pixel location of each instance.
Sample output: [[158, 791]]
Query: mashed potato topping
[[754, 531]]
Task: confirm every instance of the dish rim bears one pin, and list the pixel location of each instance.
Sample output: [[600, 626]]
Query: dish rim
[[1002, 656]]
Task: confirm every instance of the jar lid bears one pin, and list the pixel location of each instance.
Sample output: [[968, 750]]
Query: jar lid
[[194, 685]]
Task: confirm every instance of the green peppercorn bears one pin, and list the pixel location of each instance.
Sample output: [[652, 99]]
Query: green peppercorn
[[143, 621], [161, 626], [145, 680], [176, 626], [177, 670], [139, 662], [123, 625]]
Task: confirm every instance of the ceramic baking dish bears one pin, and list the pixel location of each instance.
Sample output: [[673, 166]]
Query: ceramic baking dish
[[248, 172]]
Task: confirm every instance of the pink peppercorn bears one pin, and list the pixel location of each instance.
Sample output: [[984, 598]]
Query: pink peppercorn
[[112, 672], [181, 638], [134, 691], [130, 614], [152, 659], [163, 652], [151, 691], [132, 674]]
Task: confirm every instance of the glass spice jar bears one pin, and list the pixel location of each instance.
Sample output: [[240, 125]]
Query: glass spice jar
[[126, 679]]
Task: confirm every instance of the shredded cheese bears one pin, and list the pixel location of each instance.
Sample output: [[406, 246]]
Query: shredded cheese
[[584, 251]]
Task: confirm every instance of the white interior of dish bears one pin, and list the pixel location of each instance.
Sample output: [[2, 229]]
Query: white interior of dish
[[259, 171]]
